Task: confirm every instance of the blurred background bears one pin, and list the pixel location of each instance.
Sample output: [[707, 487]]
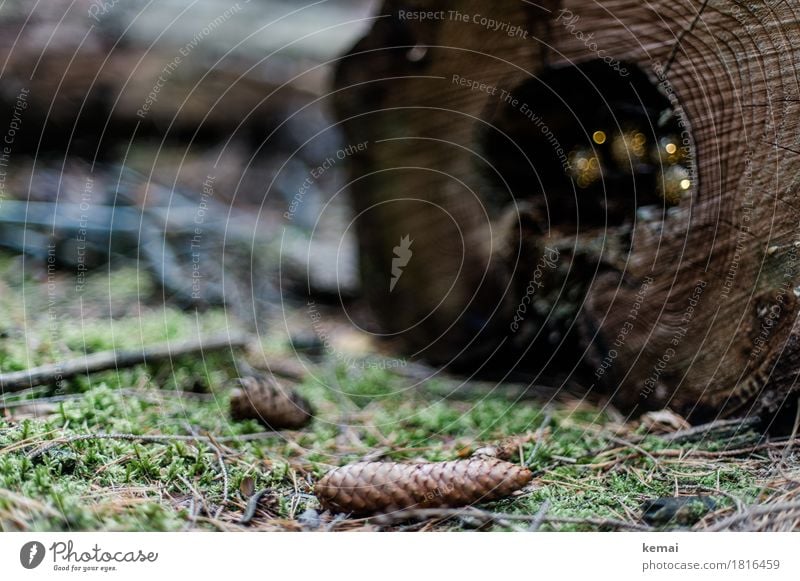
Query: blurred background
[[175, 139]]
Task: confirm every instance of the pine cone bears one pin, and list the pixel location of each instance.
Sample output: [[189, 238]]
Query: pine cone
[[370, 487], [265, 400]]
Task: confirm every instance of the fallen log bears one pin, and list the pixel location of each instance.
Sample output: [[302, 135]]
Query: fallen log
[[604, 190]]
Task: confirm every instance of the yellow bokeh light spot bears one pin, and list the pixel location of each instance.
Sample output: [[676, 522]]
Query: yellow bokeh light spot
[[686, 184], [599, 137], [671, 148]]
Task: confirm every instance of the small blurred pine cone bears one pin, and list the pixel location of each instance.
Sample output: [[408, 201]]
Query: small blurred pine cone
[[506, 449], [371, 487], [266, 400]]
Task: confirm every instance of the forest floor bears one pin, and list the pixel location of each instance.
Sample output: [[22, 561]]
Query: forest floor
[[71, 456]]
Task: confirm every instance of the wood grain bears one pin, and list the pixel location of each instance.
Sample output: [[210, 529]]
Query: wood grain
[[715, 331]]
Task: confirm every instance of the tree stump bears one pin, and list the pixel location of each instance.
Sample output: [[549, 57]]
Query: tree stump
[[598, 190]]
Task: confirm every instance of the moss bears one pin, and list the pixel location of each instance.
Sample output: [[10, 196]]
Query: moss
[[132, 485]]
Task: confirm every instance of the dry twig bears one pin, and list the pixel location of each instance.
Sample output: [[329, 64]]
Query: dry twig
[[107, 360], [487, 517]]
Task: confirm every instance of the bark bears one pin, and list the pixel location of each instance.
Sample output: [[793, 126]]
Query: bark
[[687, 301]]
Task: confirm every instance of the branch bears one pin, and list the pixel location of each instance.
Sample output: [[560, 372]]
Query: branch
[[146, 438], [107, 360], [728, 428]]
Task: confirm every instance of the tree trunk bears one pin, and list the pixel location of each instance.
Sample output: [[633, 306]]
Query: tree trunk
[[667, 278]]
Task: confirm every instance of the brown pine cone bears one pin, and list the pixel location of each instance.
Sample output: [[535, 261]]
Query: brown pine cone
[[265, 400], [370, 487]]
